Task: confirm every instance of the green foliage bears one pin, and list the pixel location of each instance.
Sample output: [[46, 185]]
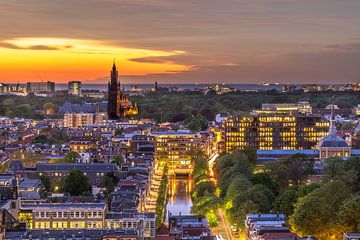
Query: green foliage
[[161, 199], [119, 160], [238, 185], [29, 159], [108, 182], [317, 213], [71, 157], [118, 132], [291, 171], [257, 199], [347, 171], [46, 183], [40, 139], [211, 218], [305, 189], [76, 183], [205, 201], [265, 179], [349, 215], [60, 137], [285, 201], [231, 165]]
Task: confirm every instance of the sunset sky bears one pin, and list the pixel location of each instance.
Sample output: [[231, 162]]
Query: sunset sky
[[180, 41]]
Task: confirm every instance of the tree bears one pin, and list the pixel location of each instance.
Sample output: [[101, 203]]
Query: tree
[[349, 214], [299, 167], [265, 179], [352, 174], [285, 201], [119, 132], [317, 213], [60, 137], [256, 199], [238, 185], [108, 183], [40, 139], [334, 168], [76, 183], [119, 160], [203, 188], [305, 189], [49, 108], [46, 183], [71, 157]]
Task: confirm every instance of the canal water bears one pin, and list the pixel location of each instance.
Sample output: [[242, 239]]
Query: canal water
[[179, 196]]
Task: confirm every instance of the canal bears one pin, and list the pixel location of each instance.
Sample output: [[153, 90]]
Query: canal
[[179, 196]]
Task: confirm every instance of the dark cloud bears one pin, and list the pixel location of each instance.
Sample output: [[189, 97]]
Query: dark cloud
[[33, 47], [227, 40]]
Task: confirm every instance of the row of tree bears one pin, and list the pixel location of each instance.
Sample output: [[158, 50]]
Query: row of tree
[[325, 209], [204, 198], [161, 199]]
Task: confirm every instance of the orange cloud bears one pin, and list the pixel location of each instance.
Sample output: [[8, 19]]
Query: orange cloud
[[62, 59]]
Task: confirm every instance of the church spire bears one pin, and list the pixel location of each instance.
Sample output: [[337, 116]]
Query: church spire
[[332, 128], [114, 66]]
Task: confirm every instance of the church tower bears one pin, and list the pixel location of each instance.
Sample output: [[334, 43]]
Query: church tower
[[114, 95]]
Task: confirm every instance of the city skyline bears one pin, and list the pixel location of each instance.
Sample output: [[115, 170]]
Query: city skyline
[[209, 41]]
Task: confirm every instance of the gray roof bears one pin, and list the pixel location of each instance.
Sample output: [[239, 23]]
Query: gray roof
[[29, 183], [64, 206], [68, 234], [82, 107], [287, 152], [333, 141], [85, 167]]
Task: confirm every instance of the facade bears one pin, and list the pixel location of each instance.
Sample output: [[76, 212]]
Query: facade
[[289, 108], [74, 88], [68, 216], [119, 104], [174, 146], [78, 216], [274, 131], [74, 120], [40, 87]]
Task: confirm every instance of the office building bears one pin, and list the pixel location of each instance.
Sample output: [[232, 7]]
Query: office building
[[174, 147], [286, 108], [74, 88], [40, 87], [274, 131]]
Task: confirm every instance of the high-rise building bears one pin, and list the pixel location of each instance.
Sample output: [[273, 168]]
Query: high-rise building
[[40, 87], [74, 88], [119, 104], [274, 131]]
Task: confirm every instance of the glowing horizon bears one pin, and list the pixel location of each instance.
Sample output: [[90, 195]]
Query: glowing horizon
[[62, 60], [202, 41]]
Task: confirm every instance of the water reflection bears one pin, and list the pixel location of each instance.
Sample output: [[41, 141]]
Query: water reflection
[[179, 196]]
